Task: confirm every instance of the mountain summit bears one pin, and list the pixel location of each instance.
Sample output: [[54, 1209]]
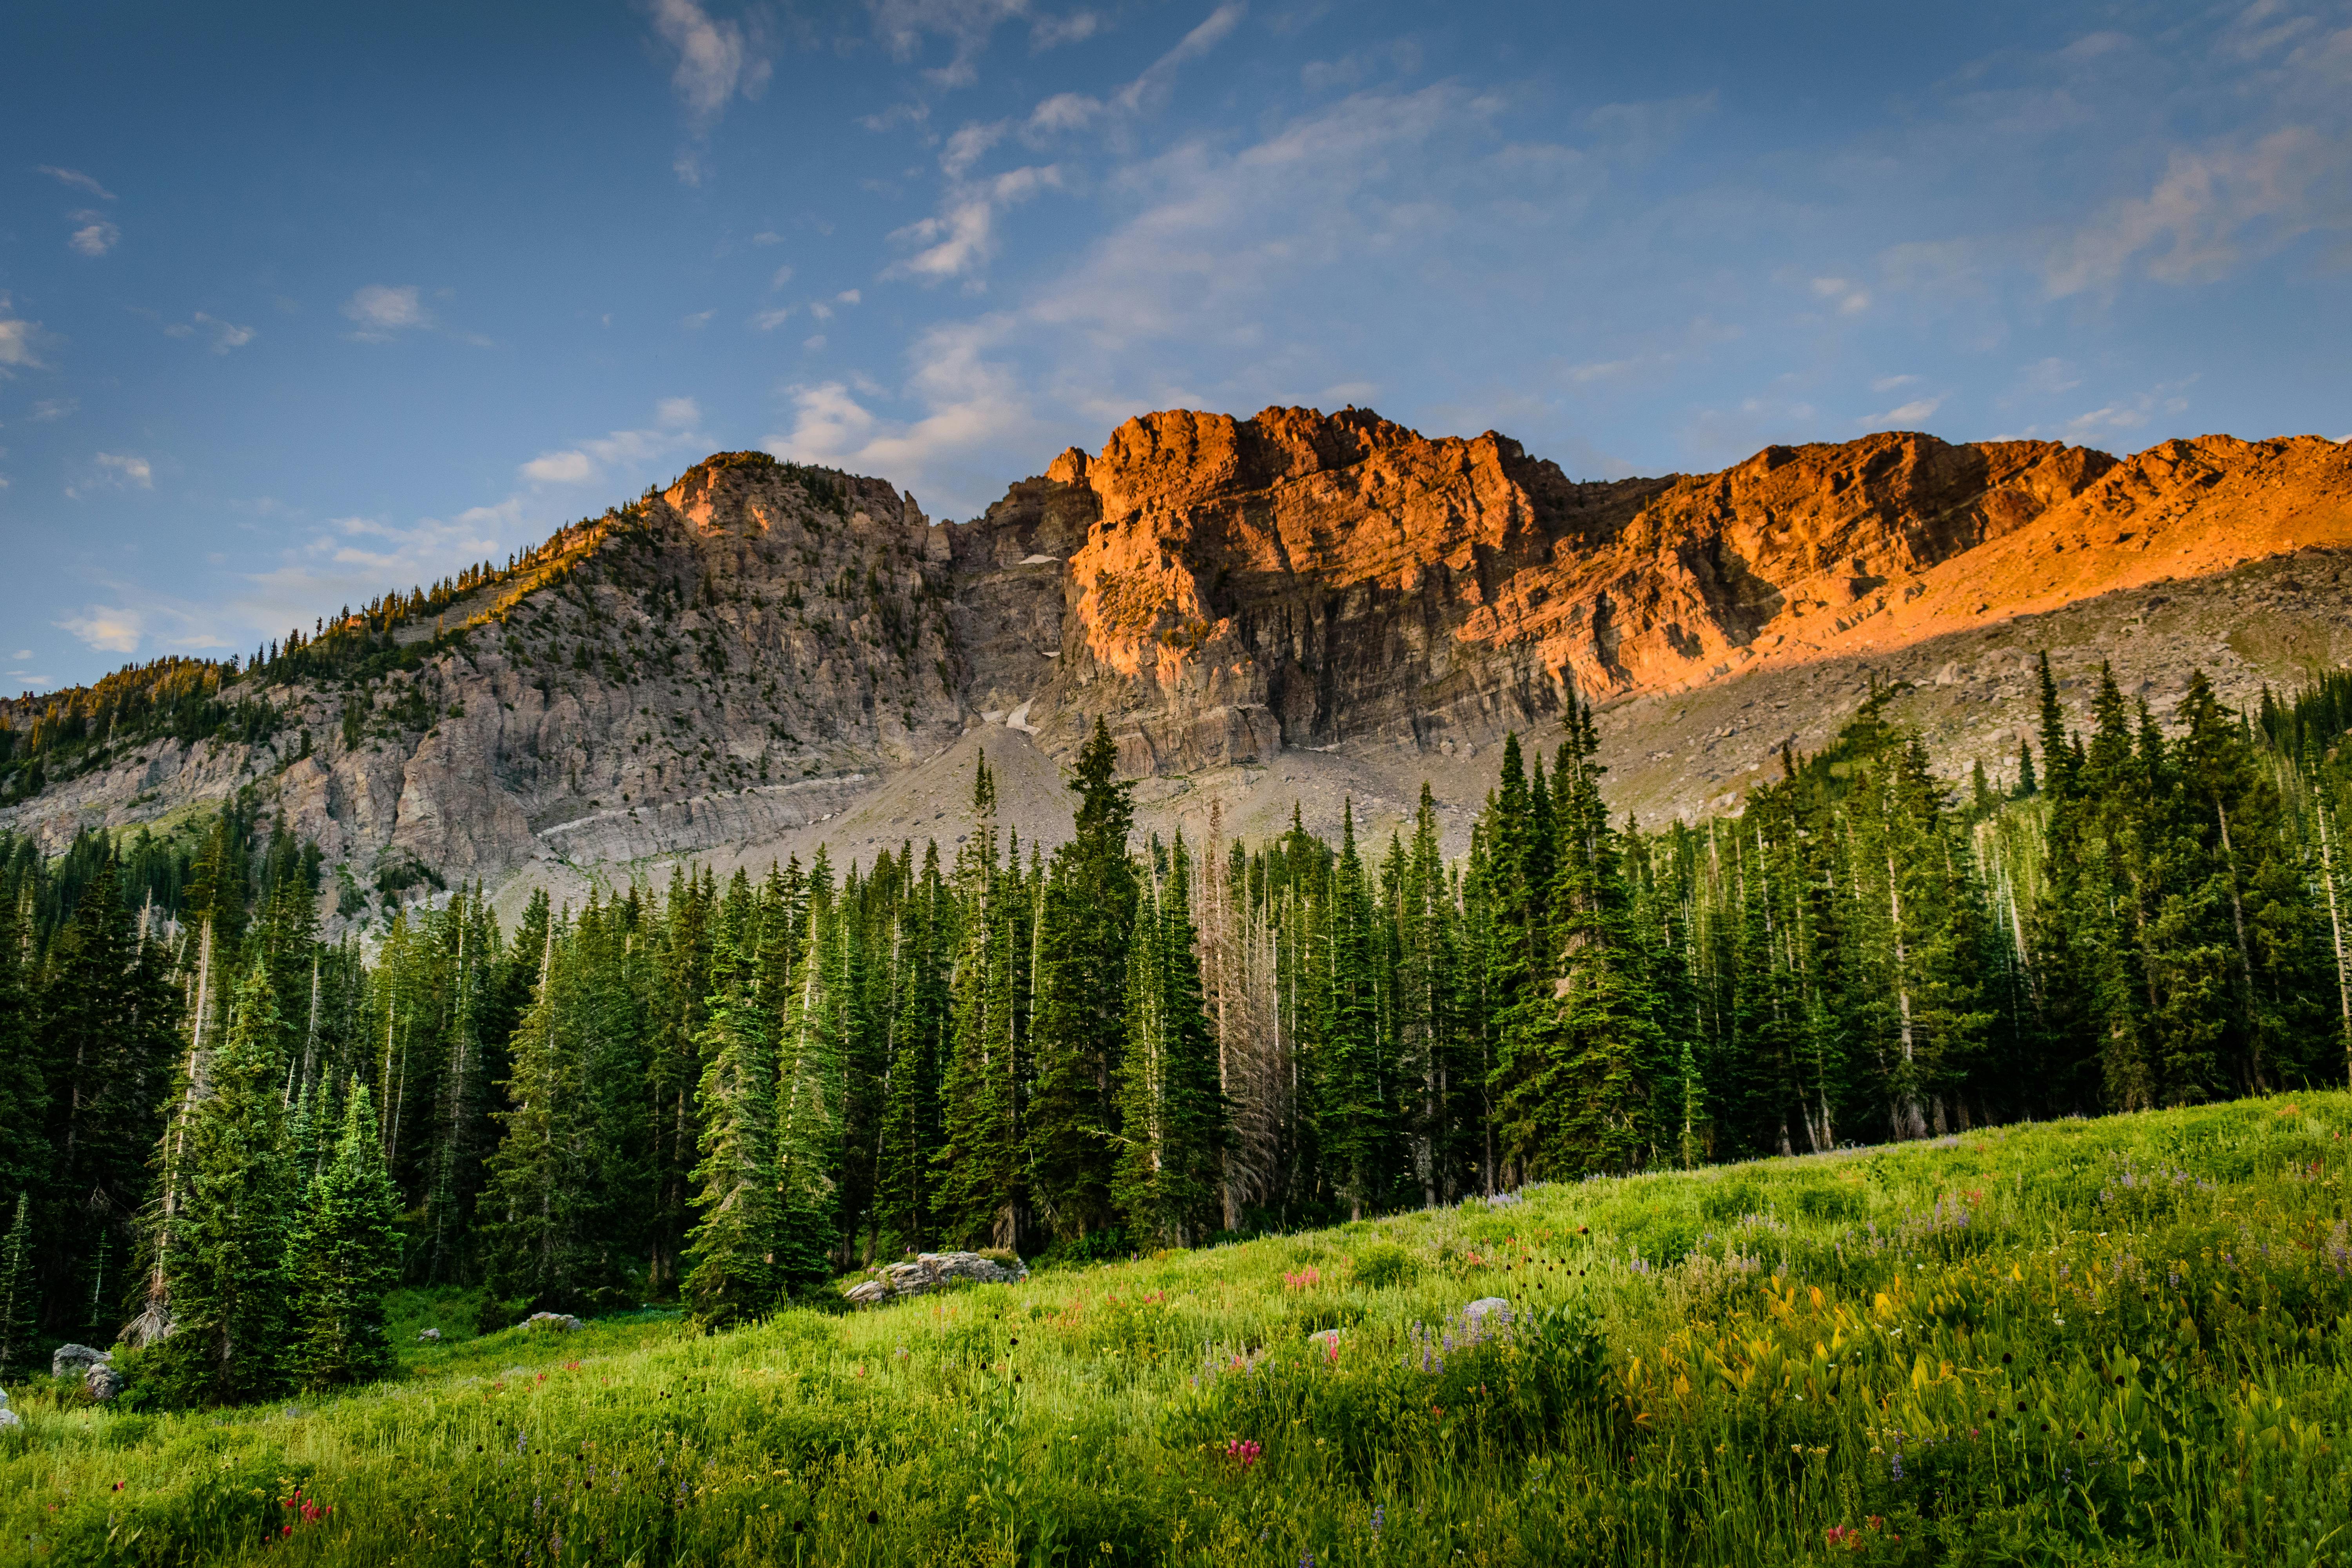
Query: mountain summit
[[1296, 607]]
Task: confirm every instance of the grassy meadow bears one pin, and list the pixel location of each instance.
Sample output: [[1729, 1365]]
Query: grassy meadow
[[2120, 1341]]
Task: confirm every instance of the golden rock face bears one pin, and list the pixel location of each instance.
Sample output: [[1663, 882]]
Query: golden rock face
[[1302, 579]]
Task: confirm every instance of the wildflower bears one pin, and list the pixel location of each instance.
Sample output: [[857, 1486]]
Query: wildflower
[[1379, 1519]]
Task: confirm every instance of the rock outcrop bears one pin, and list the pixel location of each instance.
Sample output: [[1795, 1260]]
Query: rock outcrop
[[932, 1270]]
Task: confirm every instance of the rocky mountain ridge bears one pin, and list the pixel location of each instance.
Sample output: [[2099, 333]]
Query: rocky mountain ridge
[[1297, 605]]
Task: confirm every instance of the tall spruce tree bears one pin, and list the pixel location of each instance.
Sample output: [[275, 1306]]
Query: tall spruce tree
[[1172, 1112], [1085, 930], [19, 1293], [344, 1259], [732, 1275], [228, 1265]]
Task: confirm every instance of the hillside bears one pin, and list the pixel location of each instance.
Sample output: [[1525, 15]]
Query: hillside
[[1292, 608], [2111, 1341]]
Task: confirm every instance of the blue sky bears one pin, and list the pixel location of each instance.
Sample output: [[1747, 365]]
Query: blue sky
[[300, 303]]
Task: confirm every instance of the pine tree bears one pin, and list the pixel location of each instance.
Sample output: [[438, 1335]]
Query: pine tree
[[228, 1265], [344, 1258], [1355, 1123], [810, 1091], [734, 1244], [1085, 930], [19, 1294], [1170, 1111], [981, 1174]]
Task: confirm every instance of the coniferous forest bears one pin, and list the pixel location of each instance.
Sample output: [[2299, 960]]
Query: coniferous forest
[[223, 1140]]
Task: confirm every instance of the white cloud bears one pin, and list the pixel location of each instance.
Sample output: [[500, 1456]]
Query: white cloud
[[1051, 32], [962, 238], [970, 407], [903, 25], [821, 310], [1907, 414], [2215, 207], [697, 321], [769, 321], [78, 180], [959, 238], [2049, 377], [810, 344], [381, 309], [767, 237], [126, 469], [2129, 416], [627, 450], [781, 276], [16, 339], [97, 235], [225, 335], [56, 407], [1848, 297], [560, 468], [717, 62], [850, 297], [1889, 382], [110, 629]]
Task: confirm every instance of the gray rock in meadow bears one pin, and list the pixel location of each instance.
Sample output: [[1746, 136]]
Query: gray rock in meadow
[[9, 1419], [933, 1269], [77, 1358], [103, 1381], [552, 1322], [430, 1337]]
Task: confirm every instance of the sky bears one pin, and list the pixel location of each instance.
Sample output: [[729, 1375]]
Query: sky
[[298, 304]]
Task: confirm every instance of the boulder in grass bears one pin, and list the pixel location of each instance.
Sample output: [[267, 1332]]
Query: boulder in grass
[[102, 1382], [69, 1359], [8, 1418], [1476, 1311], [933, 1269], [551, 1322], [429, 1337]]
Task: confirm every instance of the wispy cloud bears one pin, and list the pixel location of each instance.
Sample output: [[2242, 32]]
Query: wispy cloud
[[56, 407], [1904, 415], [673, 429], [126, 470], [78, 180], [2215, 207], [96, 236], [17, 339], [717, 61], [382, 311], [224, 335], [107, 627]]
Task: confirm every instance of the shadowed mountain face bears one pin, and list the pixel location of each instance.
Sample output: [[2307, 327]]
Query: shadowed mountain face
[[1301, 602]]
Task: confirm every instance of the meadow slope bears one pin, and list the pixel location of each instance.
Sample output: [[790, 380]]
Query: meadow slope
[[2120, 1341]]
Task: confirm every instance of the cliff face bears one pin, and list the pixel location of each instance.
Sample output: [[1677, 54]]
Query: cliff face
[[1303, 580], [761, 649], [737, 658]]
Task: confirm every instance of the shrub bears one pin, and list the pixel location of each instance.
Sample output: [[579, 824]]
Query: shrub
[[1384, 1265]]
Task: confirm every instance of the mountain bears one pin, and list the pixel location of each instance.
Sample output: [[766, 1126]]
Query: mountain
[[1298, 607]]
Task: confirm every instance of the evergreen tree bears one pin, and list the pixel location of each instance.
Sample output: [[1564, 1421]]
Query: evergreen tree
[[344, 1258], [19, 1302], [734, 1244], [816, 1018], [1170, 1109], [1085, 930], [227, 1264]]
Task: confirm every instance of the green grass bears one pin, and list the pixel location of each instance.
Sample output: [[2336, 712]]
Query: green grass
[[2121, 1341]]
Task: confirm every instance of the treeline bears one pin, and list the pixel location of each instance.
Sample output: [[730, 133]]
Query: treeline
[[726, 1094]]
